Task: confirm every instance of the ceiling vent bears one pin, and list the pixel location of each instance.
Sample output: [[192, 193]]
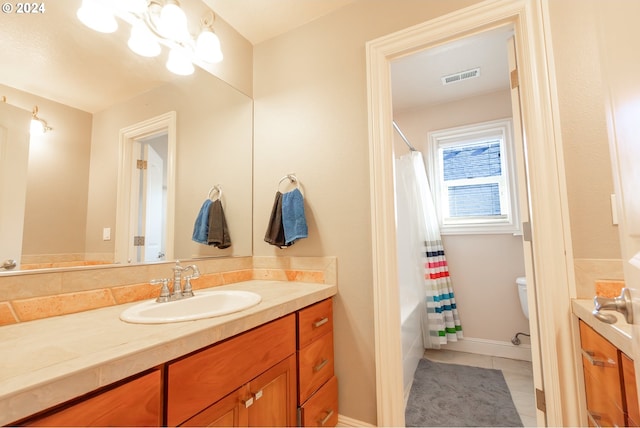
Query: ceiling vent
[[460, 76]]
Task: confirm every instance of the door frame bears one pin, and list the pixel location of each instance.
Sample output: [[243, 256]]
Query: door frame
[[124, 223], [551, 240]]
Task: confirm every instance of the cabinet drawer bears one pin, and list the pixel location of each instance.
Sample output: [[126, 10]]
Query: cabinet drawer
[[600, 363], [315, 366], [136, 402], [314, 321], [322, 408], [200, 379]]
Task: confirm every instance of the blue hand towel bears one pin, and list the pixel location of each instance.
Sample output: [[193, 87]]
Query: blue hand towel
[[201, 226], [293, 219]]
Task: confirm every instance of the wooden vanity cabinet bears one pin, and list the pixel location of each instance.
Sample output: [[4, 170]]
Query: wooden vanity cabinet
[[256, 369], [317, 385], [609, 378], [136, 401], [277, 374]]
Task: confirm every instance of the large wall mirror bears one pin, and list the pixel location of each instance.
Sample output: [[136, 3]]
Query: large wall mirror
[[72, 173]]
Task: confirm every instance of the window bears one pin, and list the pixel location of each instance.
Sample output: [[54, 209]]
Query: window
[[472, 175]]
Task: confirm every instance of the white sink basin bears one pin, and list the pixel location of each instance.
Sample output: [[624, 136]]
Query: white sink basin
[[204, 304]]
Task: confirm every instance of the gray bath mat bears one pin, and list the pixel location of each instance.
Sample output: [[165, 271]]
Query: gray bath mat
[[451, 395]]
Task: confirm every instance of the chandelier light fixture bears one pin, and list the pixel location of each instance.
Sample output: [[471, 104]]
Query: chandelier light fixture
[[156, 23]]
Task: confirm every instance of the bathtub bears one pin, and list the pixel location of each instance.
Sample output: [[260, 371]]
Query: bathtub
[[412, 345]]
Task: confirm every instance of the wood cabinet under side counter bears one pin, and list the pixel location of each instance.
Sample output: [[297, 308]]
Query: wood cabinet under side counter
[[609, 377], [250, 379]]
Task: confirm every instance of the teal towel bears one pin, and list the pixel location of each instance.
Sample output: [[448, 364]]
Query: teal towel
[[201, 226], [293, 218]]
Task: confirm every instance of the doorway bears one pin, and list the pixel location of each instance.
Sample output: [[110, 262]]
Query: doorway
[[150, 186], [458, 96], [550, 243], [146, 191]]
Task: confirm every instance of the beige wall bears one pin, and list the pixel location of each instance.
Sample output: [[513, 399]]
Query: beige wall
[[483, 267], [584, 134], [213, 147], [311, 119], [58, 171]]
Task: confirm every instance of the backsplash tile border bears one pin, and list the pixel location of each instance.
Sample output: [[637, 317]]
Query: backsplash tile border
[[34, 295]]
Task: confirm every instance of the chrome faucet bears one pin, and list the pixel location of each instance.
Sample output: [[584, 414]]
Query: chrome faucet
[[177, 292]]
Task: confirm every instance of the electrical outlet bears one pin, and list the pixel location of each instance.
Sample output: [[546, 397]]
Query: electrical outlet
[[106, 234]]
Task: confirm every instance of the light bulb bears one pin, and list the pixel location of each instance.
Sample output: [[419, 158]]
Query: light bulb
[[179, 62], [208, 46], [142, 41], [173, 21], [37, 127], [97, 16]]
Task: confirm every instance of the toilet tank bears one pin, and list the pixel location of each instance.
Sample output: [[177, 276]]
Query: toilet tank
[[521, 282]]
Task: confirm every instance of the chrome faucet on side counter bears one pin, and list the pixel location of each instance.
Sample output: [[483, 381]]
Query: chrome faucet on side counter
[[177, 292]]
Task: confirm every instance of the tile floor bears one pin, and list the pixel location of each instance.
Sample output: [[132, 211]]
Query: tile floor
[[518, 375]]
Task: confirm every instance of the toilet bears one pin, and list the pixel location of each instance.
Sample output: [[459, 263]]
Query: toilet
[[521, 282]]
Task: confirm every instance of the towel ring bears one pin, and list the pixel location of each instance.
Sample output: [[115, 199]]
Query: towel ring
[[214, 189], [292, 179]]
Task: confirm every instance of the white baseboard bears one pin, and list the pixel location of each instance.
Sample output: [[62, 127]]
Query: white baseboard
[[491, 347], [344, 421]]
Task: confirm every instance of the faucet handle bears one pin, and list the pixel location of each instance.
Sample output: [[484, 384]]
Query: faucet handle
[[195, 274], [164, 290]]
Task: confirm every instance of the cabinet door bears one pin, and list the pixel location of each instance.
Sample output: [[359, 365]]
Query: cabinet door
[[231, 411], [630, 391], [274, 396], [134, 403], [203, 378]]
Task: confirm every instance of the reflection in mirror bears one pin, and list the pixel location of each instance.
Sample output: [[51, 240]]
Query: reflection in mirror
[[146, 191], [71, 185], [152, 199]]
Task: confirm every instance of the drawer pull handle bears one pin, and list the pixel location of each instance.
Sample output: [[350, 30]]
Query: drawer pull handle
[[326, 418], [595, 419], [258, 395], [248, 402], [589, 355], [321, 365], [320, 322]]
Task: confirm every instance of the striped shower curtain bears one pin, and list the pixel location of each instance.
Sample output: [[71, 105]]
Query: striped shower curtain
[[440, 321]]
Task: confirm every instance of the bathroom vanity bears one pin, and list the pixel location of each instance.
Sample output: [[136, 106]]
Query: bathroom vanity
[[233, 370], [609, 374]]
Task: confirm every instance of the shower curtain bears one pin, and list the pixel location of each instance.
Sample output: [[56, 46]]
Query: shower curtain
[[425, 261]]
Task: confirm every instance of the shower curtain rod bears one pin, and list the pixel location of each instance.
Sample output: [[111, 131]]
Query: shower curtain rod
[[395, 125]]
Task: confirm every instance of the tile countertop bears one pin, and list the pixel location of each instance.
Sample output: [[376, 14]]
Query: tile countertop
[[49, 361], [619, 334]]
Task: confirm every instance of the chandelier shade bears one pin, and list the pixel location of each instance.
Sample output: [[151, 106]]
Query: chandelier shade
[[156, 23]]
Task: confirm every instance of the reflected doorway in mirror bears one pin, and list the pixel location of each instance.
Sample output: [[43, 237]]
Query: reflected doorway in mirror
[[146, 191]]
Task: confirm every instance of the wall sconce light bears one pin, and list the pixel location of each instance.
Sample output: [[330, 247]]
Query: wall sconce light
[[155, 23], [38, 126]]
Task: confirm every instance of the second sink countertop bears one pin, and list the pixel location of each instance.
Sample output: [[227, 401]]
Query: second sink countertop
[[49, 361], [619, 334]]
